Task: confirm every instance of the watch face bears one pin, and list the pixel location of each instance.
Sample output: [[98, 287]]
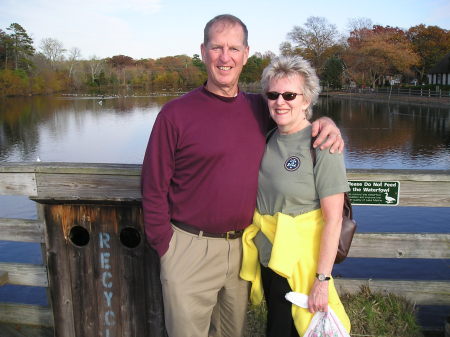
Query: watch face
[[322, 277]]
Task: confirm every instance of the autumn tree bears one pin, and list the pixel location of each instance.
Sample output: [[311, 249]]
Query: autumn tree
[[121, 62], [374, 54], [314, 41], [359, 25], [167, 80], [73, 59], [189, 75], [430, 43], [21, 46], [146, 74], [94, 66], [141, 77], [53, 50]]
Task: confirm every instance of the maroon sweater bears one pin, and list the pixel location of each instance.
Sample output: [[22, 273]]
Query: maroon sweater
[[201, 164]]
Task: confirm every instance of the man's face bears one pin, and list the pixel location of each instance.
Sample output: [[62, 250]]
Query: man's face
[[224, 56]]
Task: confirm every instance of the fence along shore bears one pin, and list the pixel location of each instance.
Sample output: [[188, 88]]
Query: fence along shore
[[100, 274]]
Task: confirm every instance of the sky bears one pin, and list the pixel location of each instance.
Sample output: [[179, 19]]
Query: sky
[[158, 28]]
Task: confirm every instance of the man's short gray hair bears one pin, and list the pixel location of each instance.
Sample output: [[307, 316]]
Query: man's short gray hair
[[226, 18], [287, 66]]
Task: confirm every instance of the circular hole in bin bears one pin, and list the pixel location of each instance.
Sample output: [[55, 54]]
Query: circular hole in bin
[[130, 237], [79, 236]]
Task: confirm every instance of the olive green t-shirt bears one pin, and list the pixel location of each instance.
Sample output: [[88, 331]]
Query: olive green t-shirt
[[289, 183]]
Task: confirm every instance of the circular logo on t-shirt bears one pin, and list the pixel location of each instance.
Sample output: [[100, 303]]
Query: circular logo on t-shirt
[[292, 163]]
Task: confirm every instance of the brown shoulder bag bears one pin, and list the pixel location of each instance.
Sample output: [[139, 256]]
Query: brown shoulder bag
[[348, 228]]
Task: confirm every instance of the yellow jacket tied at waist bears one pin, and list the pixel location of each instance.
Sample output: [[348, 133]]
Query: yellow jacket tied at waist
[[295, 254]]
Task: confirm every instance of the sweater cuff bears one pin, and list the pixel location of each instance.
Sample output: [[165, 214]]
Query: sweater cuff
[[162, 246]]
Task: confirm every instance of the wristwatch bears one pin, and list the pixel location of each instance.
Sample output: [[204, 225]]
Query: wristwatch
[[322, 277]]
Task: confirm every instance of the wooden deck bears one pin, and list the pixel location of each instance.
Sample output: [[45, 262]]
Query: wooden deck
[[19, 330]]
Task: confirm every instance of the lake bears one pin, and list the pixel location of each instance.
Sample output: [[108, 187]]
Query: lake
[[79, 129], [116, 130]]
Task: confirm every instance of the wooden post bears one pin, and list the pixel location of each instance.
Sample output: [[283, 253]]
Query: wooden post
[[41, 219]]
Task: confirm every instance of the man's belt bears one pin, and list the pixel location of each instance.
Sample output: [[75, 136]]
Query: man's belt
[[228, 235]]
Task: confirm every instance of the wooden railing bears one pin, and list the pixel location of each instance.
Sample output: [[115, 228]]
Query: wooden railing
[[114, 184], [399, 91]]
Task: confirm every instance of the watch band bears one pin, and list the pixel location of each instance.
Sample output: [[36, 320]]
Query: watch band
[[322, 277]]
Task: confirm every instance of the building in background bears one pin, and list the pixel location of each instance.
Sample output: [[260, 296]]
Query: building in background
[[440, 73]]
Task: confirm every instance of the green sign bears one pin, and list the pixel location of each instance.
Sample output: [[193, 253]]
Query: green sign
[[374, 192]]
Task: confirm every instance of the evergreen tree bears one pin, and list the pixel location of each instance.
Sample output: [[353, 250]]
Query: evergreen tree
[[5, 48], [332, 73], [21, 46], [196, 61]]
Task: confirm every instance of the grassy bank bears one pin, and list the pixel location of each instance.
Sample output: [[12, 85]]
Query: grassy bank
[[371, 314]]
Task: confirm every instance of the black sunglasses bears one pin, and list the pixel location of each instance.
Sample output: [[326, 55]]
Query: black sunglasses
[[287, 96]]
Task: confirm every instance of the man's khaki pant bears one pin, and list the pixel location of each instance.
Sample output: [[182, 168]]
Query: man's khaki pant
[[203, 293]]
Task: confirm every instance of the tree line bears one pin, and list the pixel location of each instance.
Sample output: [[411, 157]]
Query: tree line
[[369, 55]]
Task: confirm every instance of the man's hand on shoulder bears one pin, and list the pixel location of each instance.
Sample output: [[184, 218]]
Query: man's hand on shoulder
[[327, 133]]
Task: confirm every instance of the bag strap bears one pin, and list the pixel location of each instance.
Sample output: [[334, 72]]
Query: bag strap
[[347, 209], [313, 151], [270, 134]]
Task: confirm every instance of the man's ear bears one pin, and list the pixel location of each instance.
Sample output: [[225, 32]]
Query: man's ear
[[203, 52], [246, 53]]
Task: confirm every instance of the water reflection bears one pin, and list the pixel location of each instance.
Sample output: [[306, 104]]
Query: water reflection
[[113, 129], [76, 129], [380, 135]]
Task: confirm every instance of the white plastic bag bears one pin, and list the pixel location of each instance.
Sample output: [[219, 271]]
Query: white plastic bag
[[323, 324]]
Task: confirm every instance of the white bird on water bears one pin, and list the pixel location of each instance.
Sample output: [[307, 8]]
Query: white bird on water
[[389, 199], [38, 159]]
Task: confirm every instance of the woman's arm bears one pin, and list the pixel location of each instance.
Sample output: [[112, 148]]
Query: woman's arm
[[332, 214]]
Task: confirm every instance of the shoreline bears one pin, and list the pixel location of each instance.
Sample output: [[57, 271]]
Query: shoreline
[[442, 102]]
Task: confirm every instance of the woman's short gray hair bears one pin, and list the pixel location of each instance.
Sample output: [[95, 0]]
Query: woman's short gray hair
[[287, 66]]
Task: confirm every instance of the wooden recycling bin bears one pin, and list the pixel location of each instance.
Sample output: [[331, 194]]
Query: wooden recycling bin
[[103, 277]]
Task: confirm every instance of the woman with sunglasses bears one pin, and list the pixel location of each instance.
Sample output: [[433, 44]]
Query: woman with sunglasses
[[292, 242]]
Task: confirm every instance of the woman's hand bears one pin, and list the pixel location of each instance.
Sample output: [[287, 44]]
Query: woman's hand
[[318, 297], [325, 129]]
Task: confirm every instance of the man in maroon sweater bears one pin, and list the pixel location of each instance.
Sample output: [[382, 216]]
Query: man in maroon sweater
[[199, 183]]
